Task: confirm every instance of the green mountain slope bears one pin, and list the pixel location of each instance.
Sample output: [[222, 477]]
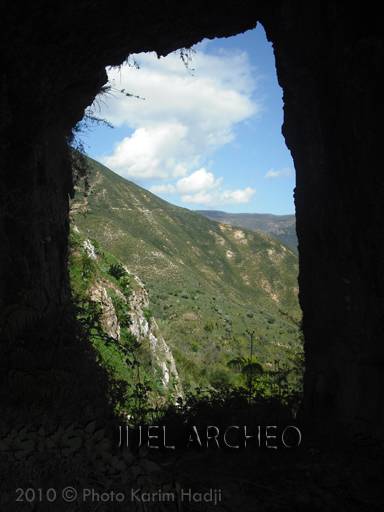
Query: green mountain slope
[[208, 283], [282, 227]]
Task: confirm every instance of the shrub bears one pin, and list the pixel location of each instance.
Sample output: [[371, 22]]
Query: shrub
[[117, 271], [147, 314], [122, 311], [88, 267], [220, 378], [209, 326], [125, 285]]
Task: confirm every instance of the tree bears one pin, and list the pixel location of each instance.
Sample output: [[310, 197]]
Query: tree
[[249, 368]]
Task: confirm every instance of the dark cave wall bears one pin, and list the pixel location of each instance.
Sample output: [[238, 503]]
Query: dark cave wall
[[328, 61], [33, 232]]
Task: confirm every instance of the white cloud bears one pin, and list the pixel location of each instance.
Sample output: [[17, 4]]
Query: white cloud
[[157, 151], [202, 187], [279, 173], [238, 196], [163, 189], [184, 117], [220, 197], [197, 181]]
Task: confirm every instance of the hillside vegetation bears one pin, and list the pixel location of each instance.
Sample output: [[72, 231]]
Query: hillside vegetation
[[209, 284]]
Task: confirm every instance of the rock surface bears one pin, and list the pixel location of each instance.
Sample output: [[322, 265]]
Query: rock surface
[[148, 328]]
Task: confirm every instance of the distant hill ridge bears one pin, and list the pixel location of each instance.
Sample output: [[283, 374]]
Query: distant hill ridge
[[282, 227]]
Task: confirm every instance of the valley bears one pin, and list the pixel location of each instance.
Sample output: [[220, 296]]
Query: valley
[[216, 293]]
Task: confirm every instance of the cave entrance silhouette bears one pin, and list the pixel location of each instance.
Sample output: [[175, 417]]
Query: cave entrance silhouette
[[328, 64], [175, 103], [329, 59]]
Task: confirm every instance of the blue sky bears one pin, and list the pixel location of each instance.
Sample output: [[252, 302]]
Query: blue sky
[[204, 137]]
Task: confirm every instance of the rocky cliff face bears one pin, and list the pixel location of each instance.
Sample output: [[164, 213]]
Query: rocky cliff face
[[141, 325], [144, 327], [108, 318]]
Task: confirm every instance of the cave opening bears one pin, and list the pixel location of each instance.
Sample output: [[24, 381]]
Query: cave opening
[[55, 407], [329, 64], [192, 128]]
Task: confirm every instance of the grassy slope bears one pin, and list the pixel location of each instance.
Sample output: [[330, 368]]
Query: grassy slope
[[208, 283]]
